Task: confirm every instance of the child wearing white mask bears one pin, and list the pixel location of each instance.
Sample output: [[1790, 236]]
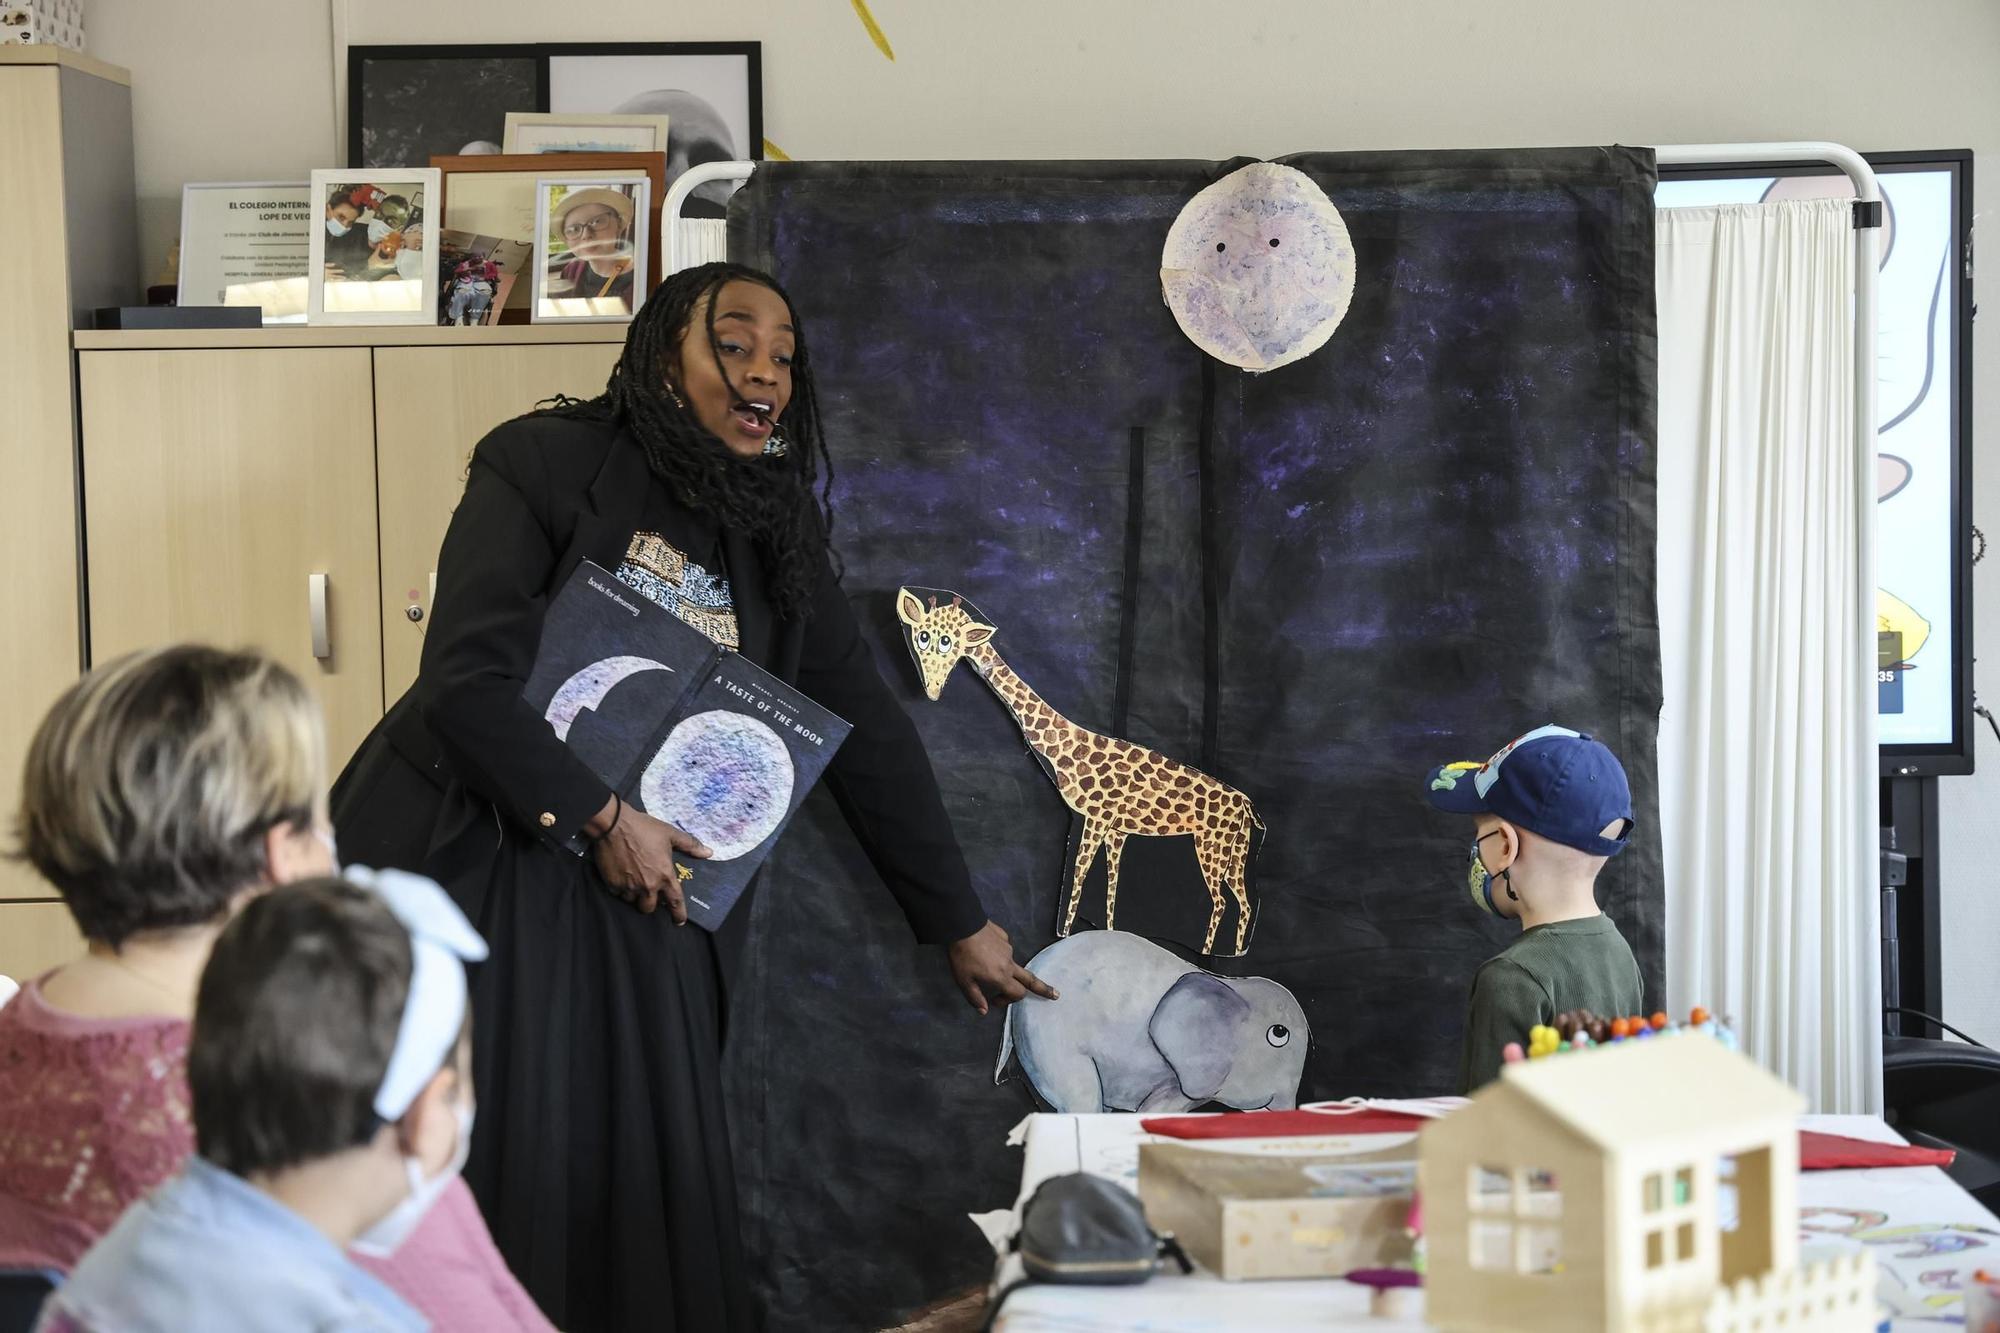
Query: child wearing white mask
[[330, 1066]]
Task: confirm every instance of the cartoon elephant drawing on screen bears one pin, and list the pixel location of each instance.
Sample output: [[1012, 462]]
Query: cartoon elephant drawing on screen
[[1137, 1029]]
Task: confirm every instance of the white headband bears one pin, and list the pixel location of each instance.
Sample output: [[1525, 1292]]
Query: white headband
[[442, 941]]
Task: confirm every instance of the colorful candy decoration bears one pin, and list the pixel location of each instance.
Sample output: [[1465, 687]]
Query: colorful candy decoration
[[1581, 1030]]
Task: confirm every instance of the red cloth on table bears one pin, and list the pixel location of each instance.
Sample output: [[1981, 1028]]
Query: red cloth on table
[[1281, 1124], [1817, 1151], [1829, 1152]]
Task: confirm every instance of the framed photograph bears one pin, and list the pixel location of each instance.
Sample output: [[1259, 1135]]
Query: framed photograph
[[590, 249], [247, 243], [555, 132], [476, 276], [413, 103], [712, 94], [371, 261], [496, 196]]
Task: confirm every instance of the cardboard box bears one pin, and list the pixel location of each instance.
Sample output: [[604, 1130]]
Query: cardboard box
[[1244, 1215]]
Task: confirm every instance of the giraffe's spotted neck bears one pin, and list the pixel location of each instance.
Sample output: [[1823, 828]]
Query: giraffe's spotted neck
[[1029, 709]]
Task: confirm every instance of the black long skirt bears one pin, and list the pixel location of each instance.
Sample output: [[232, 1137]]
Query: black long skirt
[[600, 1155], [600, 1152]]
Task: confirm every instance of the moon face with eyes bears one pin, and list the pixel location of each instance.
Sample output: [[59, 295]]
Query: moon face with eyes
[[1259, 268]]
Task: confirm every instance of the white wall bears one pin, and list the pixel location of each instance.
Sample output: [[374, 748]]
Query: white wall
[[244, 89]]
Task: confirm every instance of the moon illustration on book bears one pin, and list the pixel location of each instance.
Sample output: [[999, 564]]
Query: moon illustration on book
[[587, 690], [725, 778], [1259, 267]]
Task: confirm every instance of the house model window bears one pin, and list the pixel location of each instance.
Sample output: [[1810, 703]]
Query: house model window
[[1515, 1220], [1604, 1191], [1668, 1209]]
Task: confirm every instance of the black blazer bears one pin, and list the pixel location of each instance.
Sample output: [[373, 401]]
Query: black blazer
[[542, 495]]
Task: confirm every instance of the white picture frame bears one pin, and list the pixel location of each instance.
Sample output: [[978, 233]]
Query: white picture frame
[[398, 202], [584, 132], [556, 264], [246, 243]]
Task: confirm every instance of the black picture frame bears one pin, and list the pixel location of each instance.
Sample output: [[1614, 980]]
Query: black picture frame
[[1955, 756], [359, 59]]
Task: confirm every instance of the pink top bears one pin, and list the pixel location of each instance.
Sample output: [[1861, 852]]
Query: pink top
[[94, 1113], [451, 1271]]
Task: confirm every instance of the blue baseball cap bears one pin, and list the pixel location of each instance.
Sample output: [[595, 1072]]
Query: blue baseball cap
[[1561, 784]]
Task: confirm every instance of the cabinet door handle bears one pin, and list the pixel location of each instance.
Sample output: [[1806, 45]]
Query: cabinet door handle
[[316, 590]]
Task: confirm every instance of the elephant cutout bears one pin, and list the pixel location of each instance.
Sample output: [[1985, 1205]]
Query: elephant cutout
[[1138, 1029]]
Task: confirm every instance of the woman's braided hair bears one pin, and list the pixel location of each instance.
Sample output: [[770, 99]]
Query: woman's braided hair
[[783, 503]]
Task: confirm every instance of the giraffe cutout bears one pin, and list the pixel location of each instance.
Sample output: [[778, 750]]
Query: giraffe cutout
[[1120, 789]]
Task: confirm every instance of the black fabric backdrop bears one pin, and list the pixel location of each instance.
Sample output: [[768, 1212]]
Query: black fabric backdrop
[[1429, 536]]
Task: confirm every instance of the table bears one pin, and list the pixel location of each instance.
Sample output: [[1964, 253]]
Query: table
[[1927, 1235]]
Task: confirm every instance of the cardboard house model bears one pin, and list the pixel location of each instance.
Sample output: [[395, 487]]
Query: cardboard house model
[[1609, 1189]]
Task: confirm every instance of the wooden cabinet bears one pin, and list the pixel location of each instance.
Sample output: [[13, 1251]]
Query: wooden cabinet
[[432, 404], [229, 497], [279, 489], [35, 937], [72, 243], [39, 651], [287, 489]]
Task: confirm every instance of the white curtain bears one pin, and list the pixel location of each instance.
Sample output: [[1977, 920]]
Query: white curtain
[[1768, 787], [703, 240]]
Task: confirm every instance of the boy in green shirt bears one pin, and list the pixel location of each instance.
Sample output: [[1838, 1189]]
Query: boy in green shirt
[[1549, 810]]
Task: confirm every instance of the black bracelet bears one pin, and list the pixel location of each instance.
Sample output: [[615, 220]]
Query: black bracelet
[[617, 814]]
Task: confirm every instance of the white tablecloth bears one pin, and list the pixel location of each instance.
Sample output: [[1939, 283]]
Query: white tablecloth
[[1927, 1235]]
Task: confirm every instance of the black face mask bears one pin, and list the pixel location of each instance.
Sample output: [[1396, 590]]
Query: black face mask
[[1480, 880]]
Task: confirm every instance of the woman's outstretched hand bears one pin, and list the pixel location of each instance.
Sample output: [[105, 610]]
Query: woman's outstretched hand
[[983, 965], [636, 857]]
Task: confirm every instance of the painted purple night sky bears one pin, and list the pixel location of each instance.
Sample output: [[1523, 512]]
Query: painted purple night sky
[[1428, 536]]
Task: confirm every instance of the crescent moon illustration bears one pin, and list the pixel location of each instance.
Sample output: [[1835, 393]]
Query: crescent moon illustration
[[586, 691]]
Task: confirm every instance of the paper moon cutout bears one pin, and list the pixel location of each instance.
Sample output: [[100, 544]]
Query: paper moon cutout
[[587, 690], [723, 777], [1258, 268]]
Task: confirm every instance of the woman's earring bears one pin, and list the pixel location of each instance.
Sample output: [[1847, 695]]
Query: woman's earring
[[777, 446], [675, 395]]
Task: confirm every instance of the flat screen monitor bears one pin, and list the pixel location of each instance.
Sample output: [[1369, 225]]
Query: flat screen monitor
[[1923, 473]]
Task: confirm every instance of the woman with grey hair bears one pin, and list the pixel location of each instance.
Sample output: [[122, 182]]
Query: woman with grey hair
[[161, 794]]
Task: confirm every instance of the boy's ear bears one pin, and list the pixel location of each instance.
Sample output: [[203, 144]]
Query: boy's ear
[[429, 1115]]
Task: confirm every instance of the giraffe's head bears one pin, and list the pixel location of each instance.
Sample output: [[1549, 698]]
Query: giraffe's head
[[939, 635]]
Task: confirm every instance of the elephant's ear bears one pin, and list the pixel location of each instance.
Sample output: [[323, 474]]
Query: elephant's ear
[[1197, 1026]]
